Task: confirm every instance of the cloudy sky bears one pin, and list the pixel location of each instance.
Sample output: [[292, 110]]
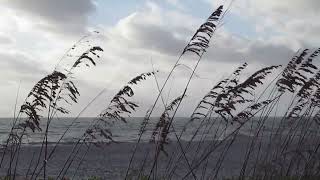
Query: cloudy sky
[[35, 34]]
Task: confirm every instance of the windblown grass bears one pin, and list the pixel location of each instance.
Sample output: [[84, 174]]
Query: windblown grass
[[291, 152]]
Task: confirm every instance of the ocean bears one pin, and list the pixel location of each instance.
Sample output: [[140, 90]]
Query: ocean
[[128, 132], [111, 161]]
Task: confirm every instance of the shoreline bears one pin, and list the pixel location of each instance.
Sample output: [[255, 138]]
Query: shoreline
[[109, 162]]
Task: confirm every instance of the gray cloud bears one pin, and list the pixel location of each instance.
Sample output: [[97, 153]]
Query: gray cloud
[[58, 15], [20, 64], [256, 52], [292, 7], [161, 38], [269, 54], [5, 40], [156, 38], [226, 49]]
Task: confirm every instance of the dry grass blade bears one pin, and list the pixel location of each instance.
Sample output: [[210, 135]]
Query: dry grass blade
[[200, 40], [52, 89], [43, 92], [226, 103], [118, 107], [163, 125], [292, 76], [86, 57], [250, 111], [307, 94], [144, 122], [207, 102], [309, 88], [119, 103]]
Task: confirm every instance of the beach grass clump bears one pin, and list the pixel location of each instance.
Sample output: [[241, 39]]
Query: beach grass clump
[[234, 105]]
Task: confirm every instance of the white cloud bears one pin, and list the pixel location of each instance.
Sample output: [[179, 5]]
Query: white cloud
[[150, 32], [294, 19]]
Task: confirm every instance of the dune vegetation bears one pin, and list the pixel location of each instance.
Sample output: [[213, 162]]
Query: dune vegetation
[[291, 152]]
